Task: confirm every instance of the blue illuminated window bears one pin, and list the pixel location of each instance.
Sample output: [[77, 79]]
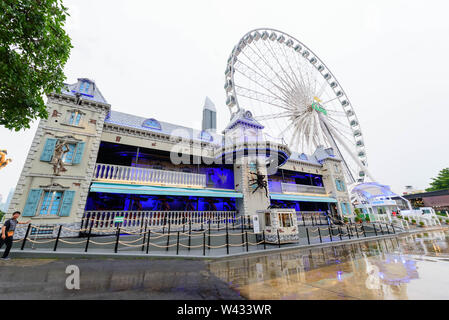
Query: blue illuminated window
[[51, 202], [152, 124]]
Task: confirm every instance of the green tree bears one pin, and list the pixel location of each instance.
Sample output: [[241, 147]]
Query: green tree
[[34, 48], [441, 182]]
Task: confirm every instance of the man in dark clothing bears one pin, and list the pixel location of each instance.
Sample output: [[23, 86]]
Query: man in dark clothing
[[8, 232]]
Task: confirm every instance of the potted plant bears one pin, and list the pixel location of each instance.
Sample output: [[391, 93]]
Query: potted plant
[[345, 220], [421, 224], [413, 221], [367, 219], [406, 219]]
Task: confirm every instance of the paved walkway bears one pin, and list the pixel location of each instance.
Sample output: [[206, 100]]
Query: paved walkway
[[237, 245]]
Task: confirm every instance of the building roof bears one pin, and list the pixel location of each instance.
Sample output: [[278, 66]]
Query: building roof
[[244, 118], [426, 194], [151, 124], [370, 190], [321, 154], [154, 125], [86, 88]]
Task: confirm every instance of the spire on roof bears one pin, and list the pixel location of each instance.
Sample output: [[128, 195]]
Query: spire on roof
[[208, 104]]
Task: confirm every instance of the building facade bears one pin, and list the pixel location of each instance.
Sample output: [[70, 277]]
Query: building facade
[[88, 161]]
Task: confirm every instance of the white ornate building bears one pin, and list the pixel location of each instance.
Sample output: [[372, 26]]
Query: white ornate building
[[116, 163]]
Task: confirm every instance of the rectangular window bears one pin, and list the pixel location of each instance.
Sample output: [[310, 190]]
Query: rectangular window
[[267, 219], [51, 203], [286, 221], [68, 157], [74, 118]]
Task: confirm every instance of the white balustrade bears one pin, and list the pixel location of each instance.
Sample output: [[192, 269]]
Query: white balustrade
[[300, 188], [110, 172], [138, 219]]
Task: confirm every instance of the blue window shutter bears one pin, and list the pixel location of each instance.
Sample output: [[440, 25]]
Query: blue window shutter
[[79, 152], [343, 208], [348, 208], [67, 203], [49, 148], [34, 196], [337, 183]]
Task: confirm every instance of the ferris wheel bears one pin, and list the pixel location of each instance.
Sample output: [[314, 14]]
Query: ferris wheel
[[290, 91]]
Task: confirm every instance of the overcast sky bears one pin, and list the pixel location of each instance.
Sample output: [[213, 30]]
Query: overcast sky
[[161, 59]]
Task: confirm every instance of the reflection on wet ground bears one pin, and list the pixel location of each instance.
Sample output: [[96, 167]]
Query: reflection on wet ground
[[411, 267], [111, 279]]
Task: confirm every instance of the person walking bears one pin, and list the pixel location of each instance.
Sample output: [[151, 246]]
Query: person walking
[[8, 232]]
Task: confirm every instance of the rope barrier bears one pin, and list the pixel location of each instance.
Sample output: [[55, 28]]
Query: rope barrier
[[130, 245], [164, 247], [74, 242], [35, 241], [100, 243], [187, 246], [132, 241]]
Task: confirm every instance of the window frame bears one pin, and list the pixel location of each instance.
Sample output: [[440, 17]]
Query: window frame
[[50, 207], [75, 113]]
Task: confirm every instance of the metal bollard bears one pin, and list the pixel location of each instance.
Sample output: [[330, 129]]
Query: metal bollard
[[382, 230], [319, 233], [177, 244], [59, 233], [117, 240], [26, 236], [87, 242], [148, 241], [308, 238], [227, 239], [363, 229], [204, 243], [330, 234], [339, 232], [168, 235], [349, 234], [246, 237]]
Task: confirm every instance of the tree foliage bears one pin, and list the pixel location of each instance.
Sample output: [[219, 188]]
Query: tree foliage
[[441, 182], [34, 48]]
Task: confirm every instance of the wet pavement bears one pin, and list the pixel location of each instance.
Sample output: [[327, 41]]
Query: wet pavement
[[111, 279], [408, 267], [411, 267]]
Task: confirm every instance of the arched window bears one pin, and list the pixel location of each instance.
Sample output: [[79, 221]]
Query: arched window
[[152, 124]]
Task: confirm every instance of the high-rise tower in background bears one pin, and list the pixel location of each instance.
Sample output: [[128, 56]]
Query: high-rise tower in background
[[209, 116]]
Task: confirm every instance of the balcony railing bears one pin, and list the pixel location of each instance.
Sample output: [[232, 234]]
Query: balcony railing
[[114, 173], [299, 188], [104, 220]]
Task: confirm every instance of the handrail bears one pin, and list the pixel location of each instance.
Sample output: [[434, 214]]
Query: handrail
[[111, 172]]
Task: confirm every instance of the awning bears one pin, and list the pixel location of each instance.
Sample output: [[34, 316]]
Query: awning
[[159, 190], [297, 197]]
